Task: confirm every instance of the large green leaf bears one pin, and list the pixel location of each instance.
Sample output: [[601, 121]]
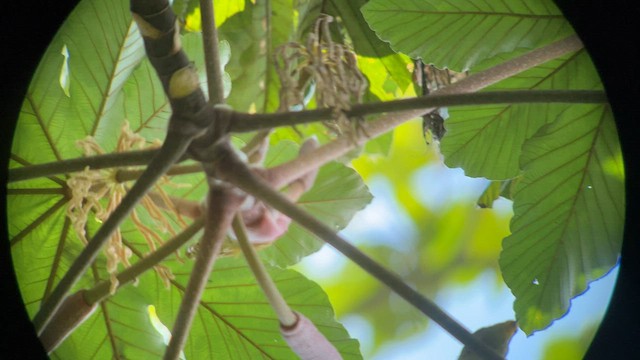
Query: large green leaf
[[459, 34], [103, 47], [234, 319], [486, 141], [568, 214], [366, 43], [254, 36], [92, 78]]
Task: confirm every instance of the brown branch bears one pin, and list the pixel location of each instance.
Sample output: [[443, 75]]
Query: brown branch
[[244, 122], [131, 158], [222, 204], [102, 290], [211, 56], [285, 173], [191, 116], [237, 173]]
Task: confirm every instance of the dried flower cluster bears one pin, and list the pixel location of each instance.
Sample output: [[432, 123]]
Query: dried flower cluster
[[89, 188], [321, 65]]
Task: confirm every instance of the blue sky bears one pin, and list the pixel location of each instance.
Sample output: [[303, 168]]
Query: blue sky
[[478, 304]]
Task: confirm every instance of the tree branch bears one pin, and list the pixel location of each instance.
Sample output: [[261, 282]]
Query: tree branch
[[285, 173], [222, 204], [171, 151], [237, 173], [78, 307], [128, 175], [101, 291], [131, 158], [211, 56], [244, 122]]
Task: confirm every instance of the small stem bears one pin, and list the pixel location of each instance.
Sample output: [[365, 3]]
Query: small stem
[[183, 207], [222, 204], [286, 317], [128, 175], [101, 291], [249, 122], [212, 58], [172, 149], [302, 164], [238, 174], [130, 158]]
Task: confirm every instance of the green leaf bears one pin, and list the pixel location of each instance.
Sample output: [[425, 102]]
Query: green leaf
[[490, 194], [459, 34], [495, 190], [120, 328], [568, 214], [189, 11], [105, 88], [366, 43], [486, 141], [253, 37], [103, 47]]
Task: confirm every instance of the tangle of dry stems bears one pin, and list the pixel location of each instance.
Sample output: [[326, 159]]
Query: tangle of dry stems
[[89, 187], [322, 66]]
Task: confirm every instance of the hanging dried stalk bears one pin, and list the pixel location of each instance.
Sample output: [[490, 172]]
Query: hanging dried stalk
[[89, 187], [323, 67]]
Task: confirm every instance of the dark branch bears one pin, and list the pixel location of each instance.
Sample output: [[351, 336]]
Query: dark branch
[[236, 172], [222, 204], [250, 122], [211, 56], [191, 117], [101, 291], [131, 158]]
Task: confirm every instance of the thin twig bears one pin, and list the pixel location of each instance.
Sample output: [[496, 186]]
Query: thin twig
[[128, 175], [286, 317], [249, 122], [211, 56], [130, 158], [101, 291], [222, 204]]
